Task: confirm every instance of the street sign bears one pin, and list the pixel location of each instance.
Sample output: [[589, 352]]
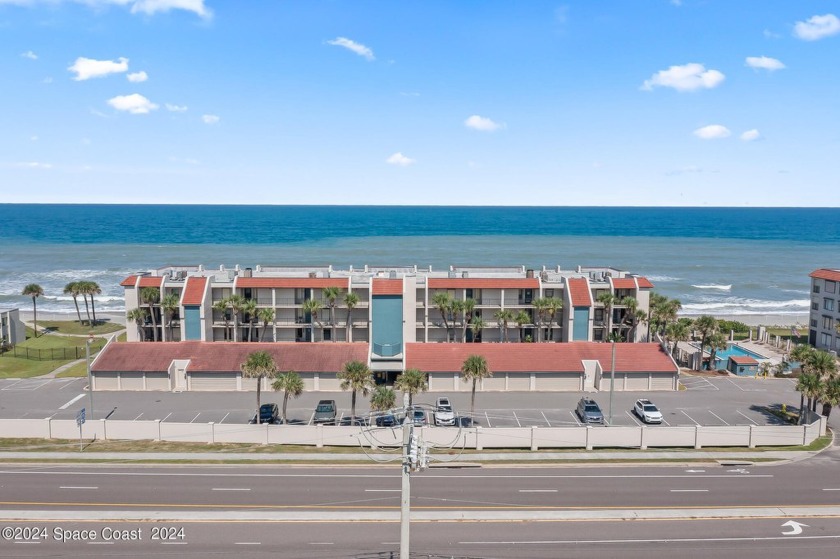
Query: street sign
[[80, 417]]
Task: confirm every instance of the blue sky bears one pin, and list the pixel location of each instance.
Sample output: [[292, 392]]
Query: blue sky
[[644, 102]]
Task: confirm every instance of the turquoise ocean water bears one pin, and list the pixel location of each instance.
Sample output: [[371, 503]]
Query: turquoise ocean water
[[715, 260]]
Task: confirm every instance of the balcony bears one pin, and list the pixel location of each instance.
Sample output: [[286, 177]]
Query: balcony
[[387, 350]]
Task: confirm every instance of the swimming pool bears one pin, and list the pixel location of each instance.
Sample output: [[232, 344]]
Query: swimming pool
[[722, 355]]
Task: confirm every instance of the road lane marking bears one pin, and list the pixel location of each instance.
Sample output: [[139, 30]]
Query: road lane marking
[[139, 416], [321, 543], [719, 417], [689, 490], [225, 417], [383, 490], [688, 416], [518, 424], [196, 417], [71, 402], [488, 419], [747, 418], [657, 540], [167, 417], [231, 489], [546, 419], [538, 490], [832, 489], [247, 543], [77, 487]]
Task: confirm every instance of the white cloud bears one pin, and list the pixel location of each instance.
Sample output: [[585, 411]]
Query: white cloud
[[31, 165], [688, 77], [765, 63], [353, 46], [751, 135], [135, 104], [712, 132], [400, 159], [175, 108], [29, 54], [138, 77], [482, 123], [86, 68], [151, 7], [210, 119], [817, 27]]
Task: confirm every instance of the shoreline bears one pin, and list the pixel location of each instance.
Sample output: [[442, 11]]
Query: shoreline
[[754, 320]]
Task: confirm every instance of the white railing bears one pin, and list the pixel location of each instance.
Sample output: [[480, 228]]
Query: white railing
[[534, 438]]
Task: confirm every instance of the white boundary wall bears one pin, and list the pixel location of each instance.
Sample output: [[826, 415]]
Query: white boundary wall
[[474, 438]]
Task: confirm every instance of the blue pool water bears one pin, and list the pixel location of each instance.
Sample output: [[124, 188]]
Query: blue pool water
[[722, 355]]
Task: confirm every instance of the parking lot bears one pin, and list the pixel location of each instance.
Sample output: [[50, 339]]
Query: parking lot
[[706, 401]]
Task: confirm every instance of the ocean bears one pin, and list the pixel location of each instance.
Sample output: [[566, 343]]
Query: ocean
[[722, 261]]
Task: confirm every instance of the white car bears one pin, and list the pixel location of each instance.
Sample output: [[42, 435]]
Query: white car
[[444, 415], [647, 412]]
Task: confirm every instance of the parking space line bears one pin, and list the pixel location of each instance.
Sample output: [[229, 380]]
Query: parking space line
[[632, 417], [575, 418], [546, 419], [167, 417], [139, 416], [225, 417], [13, 384], [688, 416], [747, 418], [488, 419], [665, 422], [71, 402], [66, 384], [518, 424], [719, 417], [311, 417], [196, 417]]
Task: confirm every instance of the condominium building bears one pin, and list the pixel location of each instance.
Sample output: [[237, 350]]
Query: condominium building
[[12, 329], [825, 309]]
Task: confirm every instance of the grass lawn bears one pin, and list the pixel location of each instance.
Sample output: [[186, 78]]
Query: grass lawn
[[17, 367], [73, 327], [77, 370], [50, 341], [20, 367]]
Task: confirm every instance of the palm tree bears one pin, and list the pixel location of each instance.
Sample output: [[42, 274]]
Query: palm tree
[[830, 396], [631, 305], [150, 296], [350, 301], [249, 310], [138, 316], [442, 301], [706, 325], [170, 303], [382, 398], [503, 316], [312, 307], [331, 295], [356, 377], [236, 302], [467, 308], [521, 319], [457, 309], [717, 340], [553, 305], [678, 332], [258, 365], [265, 315], [93, 289], [473, 369], [608, 300], [824, 365], [72, 289], [84, 289], [810, 386], [541, 306], [33, 290], [412, 381], [477, 324], [222, 307], [291, 384], [657, 304]]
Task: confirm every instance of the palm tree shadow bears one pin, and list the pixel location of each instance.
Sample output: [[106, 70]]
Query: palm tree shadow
[[774, 414]]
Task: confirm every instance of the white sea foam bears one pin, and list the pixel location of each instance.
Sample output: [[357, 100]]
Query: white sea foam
[[662, 278], [714, 286], [735, 305]]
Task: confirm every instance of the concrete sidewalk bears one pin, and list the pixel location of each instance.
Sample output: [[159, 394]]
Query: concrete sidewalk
[[458, 460]]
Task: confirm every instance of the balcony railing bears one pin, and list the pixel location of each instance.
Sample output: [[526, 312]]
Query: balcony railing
[[387, 350]]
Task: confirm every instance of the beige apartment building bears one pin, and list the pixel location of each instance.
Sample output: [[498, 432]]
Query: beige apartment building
[[825, 310]]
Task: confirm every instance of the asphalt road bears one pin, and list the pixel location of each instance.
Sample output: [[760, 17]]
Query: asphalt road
[[707, 401]]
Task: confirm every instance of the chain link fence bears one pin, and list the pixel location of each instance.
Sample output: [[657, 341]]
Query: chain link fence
[[51, 354]]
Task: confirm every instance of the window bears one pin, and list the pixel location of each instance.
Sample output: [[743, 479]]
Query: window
[[816, 288], [814, 323], [549, 293], [837, 344], [825, 340], [830, 286], [815, 306], [826, 322], [828, 304]]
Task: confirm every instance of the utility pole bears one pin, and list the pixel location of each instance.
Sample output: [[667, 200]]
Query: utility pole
[[90, 381], [405, 503], [612, 378]]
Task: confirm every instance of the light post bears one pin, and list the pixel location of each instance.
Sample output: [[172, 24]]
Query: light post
[[405, 493], [90, 381], [612, 378]]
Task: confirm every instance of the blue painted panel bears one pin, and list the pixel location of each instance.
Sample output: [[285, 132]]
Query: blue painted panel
[[581, 329], [192, 323], [387, 316]]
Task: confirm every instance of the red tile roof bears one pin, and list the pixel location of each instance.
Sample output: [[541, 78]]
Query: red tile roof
[[484, 283], [194, 291], [387, 286], [624, 283], [343, 283], [227, 356], [151, 281], [825, 273], [743, 360], [579, 292], [539, 357], [644, 282], [130, 281]]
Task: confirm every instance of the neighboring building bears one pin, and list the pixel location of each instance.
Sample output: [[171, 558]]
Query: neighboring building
[[12, 329], [202, 366], [825, 309]]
